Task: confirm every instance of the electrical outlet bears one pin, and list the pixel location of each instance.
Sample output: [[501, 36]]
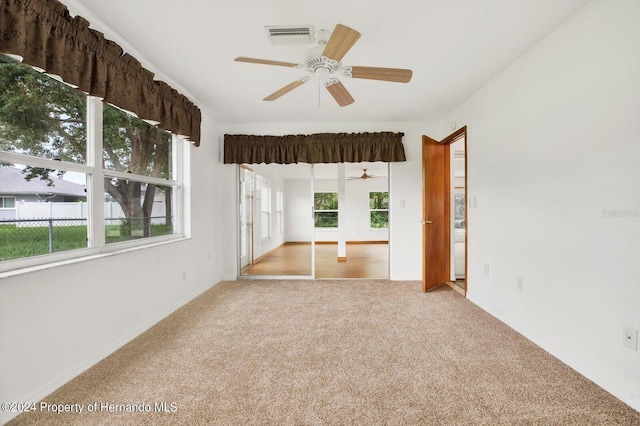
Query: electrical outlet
[[486, 270], [630, 337], [520, 283]]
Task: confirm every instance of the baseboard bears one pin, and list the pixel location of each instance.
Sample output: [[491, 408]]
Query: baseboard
[[47, 389], [335, 242], [595, 376]]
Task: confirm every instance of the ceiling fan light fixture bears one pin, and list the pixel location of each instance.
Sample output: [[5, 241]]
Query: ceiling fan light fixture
[[323, 75]]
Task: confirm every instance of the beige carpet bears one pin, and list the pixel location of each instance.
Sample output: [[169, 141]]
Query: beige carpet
[[334, 353]]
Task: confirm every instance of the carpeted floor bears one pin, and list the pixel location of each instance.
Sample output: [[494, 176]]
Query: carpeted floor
[[338, 352]]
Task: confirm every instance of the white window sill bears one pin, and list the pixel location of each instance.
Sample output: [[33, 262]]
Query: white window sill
[[91, 254]]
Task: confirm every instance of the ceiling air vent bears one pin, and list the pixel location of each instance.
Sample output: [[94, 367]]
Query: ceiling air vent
[[290, 34]]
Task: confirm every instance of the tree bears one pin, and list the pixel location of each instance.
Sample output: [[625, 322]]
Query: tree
[[325, 201], [43, 117], [379, 206]]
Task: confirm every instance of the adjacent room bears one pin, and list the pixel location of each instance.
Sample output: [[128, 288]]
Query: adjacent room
[[319, 212], [346, 237]]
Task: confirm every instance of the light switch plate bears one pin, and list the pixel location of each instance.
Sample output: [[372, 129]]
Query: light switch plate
[[630, 337]]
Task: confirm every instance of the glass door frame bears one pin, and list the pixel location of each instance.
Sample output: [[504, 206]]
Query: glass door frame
[[239, 235]]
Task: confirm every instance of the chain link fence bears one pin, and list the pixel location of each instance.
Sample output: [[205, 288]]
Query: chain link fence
[[33, 237]]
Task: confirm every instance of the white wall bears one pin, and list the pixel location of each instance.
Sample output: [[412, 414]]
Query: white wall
[[298, 222], [56, 322], [276, 183], [405, 186], [357, 219], [553, 145]]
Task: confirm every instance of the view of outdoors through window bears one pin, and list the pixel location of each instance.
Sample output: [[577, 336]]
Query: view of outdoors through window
[[263, 191], [379, 210], [459, 208], [40, 116], [44, 124], [325, 207], [132, 146]]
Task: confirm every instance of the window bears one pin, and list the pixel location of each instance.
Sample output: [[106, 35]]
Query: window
[[459, 207], [89, 189], [134, 147], [379, 210], [264, 191], [280, 211], [7, 202], [325, 209]]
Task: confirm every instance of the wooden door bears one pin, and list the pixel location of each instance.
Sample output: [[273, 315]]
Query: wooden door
[[436, 213]]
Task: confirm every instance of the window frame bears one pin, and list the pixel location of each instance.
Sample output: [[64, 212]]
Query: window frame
[[2, 204], [315, 211], [371, 228], [279, 212], [264, 192], [96, 244]]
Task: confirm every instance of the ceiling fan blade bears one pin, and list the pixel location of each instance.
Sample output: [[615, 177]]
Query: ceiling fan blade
[[340, 94], [265, 62], [342, 39], [286, 89], [397, 75]]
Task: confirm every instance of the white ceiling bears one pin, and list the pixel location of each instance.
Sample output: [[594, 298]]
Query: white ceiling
[[453, 48]]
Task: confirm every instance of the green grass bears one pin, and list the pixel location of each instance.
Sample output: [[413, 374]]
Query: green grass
[[17, 242], [115, 234]]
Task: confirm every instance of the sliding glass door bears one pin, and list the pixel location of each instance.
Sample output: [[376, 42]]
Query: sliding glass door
[[276, 221]]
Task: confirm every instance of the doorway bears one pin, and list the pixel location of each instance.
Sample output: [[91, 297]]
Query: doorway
[[351, 226], [268, 248], [444, 223], [314, 221]]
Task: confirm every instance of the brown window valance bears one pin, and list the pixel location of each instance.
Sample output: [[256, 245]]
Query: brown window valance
[[315, 148], [45, 35]]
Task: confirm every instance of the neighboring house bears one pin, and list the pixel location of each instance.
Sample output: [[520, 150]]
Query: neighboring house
[[14, 188]]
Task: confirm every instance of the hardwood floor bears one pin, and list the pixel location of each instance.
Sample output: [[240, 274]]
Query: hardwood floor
[[363, 261], [288, 259]]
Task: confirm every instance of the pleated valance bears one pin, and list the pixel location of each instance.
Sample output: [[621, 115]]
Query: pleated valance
[[314, 148], [45, 35]]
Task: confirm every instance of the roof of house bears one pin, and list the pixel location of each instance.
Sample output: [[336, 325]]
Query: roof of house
[[12, 181]]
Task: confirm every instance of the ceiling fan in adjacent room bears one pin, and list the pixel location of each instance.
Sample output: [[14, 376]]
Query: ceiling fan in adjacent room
[[364, 176], [323, 62]]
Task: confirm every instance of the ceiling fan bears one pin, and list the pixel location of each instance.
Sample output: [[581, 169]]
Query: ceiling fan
[[324, 63], [364, 176]]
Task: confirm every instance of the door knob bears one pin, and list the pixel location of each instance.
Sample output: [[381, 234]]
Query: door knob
[[426, 222]]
